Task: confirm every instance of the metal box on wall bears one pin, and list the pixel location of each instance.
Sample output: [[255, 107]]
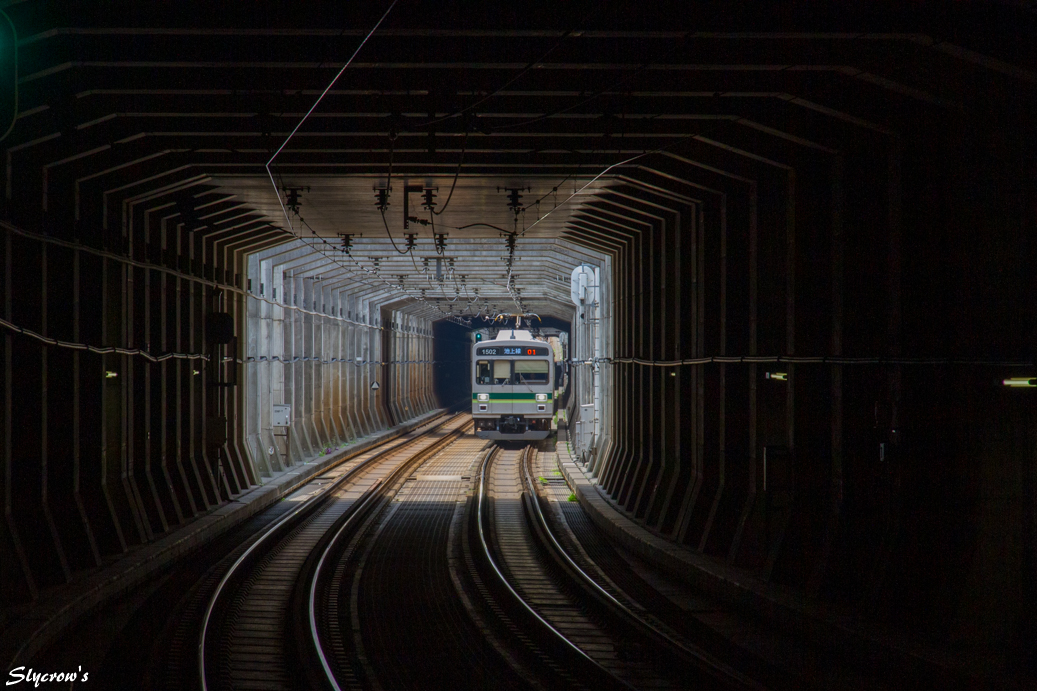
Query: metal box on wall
[[281, 415]]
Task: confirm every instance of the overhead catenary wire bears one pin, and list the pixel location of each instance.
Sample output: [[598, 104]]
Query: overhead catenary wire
[[388, 190], [292, 134], [678, 140], [473, 225], [611, 87], [509, 287], [433, 212], [184, 276], [389, 235], [375, 274], [520, 73], [314, 106], [588, 184], [464, 147]]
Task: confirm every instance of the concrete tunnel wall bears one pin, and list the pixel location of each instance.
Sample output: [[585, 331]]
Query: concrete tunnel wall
[[904, 493], [314, 344], [104, 451], [852, 194]]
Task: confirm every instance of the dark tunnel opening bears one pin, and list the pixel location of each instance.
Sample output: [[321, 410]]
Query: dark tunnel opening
[[452, 375]]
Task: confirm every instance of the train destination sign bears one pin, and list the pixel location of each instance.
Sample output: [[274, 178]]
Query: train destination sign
[[514, 351]]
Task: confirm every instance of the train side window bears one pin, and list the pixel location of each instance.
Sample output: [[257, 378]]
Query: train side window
[[483, 372], [532, 371], [502, 371]]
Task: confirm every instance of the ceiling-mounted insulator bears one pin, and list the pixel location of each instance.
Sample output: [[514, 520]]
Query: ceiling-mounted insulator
[[381, 197], [347, 241], [515, 198], [429, 195], [291, 198]]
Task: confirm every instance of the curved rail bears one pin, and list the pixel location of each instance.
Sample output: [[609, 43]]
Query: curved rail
[[518, 598], [699, 658], [304, 508], [312, 606], [357, 511]]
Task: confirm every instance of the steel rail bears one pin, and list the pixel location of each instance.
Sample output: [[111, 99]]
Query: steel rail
[[699, 657], [518, 598], [358, 510], [304, 507]]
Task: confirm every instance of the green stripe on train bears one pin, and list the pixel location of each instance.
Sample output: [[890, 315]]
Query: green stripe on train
[[512, 396]]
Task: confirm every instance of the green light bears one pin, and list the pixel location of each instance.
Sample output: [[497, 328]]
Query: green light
[[9, 76]]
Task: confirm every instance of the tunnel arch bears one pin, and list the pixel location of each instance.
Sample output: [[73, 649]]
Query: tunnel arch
[[753, 187]]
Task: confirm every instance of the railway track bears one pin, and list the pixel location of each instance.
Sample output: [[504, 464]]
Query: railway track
[[394, 572], [384, 604], [440, 561], [598, 560], [251, 636], [593, 637]]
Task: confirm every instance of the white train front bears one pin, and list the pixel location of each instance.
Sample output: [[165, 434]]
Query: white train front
[[513, 387]]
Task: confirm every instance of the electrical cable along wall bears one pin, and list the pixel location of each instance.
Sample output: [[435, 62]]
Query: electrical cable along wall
[[806, 366], [815, 233], [114, 431]]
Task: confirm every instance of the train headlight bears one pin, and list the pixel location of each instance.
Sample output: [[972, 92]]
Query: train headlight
[[484, 396], [541, 396]]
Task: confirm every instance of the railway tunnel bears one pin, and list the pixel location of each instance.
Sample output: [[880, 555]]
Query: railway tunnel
[[802, 351]]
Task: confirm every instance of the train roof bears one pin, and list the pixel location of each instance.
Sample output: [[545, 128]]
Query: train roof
[[513, 335], [506, 337]]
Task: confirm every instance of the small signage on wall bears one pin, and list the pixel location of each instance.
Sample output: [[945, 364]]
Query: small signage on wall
[[281, 415]]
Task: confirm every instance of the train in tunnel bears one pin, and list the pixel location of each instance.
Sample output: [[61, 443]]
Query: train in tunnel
[[513, 387]]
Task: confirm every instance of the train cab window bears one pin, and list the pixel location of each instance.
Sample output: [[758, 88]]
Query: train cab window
[[502, 371], [532, 371], [483, 372]]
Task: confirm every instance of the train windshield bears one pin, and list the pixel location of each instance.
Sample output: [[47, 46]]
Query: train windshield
[[532, 371], [493, 372]]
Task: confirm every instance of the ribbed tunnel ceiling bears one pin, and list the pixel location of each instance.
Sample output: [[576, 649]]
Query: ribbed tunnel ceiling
[[470, 272], [175, 111], [813, 226]]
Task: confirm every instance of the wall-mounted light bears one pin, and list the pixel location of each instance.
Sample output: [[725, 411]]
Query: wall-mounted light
[[110, 374], [1021, 382], [779, 376], [673, 374]]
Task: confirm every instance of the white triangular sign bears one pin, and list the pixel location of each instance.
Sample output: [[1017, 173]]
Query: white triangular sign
[[374, 386]]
